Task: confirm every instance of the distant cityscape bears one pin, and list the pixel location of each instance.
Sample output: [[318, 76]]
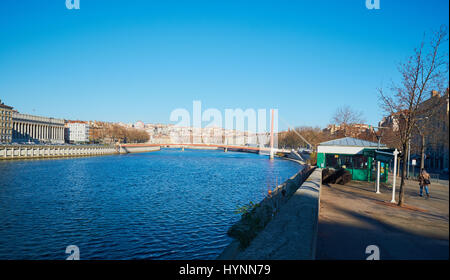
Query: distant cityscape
[[25, 129], [432, 138]]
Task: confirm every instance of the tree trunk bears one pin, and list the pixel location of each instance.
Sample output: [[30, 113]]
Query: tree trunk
[[402, 183], [422, 156]]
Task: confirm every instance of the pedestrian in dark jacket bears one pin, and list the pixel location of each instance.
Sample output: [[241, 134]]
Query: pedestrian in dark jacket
[[424, 182]]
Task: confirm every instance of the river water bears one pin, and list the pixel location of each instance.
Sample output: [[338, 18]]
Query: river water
[[169, 204]]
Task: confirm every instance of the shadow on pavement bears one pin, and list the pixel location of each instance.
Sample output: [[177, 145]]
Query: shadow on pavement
[[337, 241]]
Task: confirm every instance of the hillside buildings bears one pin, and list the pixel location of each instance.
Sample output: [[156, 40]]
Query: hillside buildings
[[172, 134], [355, 130]]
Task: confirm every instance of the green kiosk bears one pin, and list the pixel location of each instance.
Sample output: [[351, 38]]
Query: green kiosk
[[355, 155]]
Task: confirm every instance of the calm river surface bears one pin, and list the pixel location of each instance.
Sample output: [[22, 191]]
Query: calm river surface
[[162, 205]]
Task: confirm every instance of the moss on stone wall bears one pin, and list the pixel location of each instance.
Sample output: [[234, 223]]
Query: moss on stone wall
[[256, 218]]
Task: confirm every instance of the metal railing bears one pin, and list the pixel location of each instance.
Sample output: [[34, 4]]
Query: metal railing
[[434, 177]]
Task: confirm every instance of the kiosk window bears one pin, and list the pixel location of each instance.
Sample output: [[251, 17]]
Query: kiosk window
[[359, 162], [346, 162], [332, 161], [339, 161]]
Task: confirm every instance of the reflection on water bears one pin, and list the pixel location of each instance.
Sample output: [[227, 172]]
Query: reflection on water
[[161, 205]]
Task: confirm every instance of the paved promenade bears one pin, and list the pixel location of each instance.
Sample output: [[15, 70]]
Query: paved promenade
[[352, 217]]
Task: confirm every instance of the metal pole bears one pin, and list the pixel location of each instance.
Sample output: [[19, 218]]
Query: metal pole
[[378, 168], [395, 176], [378, 176], [378, 162]]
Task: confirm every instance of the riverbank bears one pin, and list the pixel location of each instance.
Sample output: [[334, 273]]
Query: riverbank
[[14, 152], [288, 232], [137, 149], [19, 152]]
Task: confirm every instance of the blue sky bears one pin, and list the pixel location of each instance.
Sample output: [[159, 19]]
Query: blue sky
[[139, 60]]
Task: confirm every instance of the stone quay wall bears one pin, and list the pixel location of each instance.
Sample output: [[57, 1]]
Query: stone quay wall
[[8, 152], [262, 213]]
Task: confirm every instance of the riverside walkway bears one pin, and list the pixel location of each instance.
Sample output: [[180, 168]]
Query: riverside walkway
[[353, 217]]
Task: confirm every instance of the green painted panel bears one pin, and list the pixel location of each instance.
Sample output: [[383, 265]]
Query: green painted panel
[[359, 174], [369, 169], [320, 160]]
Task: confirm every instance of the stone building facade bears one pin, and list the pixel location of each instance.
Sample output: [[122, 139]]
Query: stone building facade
[[5, 123], [29, 128], [435, 128], [431, 128], [77, 132]]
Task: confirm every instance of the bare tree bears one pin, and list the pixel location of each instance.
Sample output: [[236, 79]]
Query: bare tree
[[391, 138], [109, 132], [426, 69], [345, 117], [312, 135]]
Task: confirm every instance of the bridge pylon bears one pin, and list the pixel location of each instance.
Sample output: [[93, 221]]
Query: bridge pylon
[[271, 137]]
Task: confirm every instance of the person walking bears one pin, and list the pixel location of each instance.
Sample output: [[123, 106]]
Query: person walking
[[424, 182]]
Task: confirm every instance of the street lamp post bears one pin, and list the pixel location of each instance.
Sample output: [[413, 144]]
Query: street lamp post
[[378, 162], [395, 175]]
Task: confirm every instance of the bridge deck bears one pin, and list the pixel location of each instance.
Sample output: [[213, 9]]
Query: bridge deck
[[208, 145]]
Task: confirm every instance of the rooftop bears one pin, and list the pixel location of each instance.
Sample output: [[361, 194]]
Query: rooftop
[[2, 105], [349, 141]]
